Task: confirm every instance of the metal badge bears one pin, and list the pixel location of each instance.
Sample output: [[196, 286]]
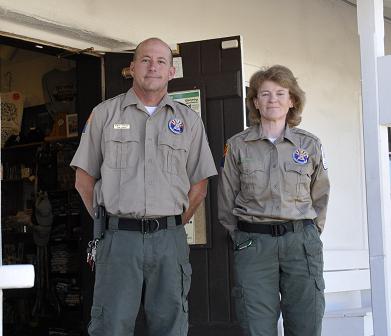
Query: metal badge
[[176, 126], [300, 156]]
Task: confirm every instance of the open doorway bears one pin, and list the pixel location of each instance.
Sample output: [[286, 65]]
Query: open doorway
[[42, 114]]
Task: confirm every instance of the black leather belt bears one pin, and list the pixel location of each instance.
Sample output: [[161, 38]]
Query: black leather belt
[[144, 225], [275, 229]]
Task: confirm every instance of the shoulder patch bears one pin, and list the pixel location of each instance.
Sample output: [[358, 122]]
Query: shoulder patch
[[324, 163], [226, 150]]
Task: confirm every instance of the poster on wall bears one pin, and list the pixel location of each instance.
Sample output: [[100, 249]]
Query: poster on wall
[[196, 228], [11, 114], [191, 98]]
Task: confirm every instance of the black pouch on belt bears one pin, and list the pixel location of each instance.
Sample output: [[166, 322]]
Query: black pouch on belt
[[100, 220]]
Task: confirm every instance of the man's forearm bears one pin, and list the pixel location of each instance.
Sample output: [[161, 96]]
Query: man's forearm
[[196, 195], [84, 184]]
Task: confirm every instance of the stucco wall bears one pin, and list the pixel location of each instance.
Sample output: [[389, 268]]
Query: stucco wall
[[317, 39]]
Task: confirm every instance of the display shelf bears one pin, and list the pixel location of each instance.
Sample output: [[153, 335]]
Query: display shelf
[[47, 140]]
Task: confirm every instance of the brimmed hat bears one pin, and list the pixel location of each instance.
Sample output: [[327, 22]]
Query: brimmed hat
[[43, 209], [44, 217]]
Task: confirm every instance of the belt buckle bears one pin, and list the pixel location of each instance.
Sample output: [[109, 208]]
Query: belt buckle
[[148, 221], [278, 230]]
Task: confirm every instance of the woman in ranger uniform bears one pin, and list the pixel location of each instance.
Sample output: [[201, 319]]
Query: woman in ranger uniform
[[273, 195]]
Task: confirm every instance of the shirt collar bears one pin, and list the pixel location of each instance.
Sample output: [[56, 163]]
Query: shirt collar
[[132, 99], [256, 133], [291, 136]]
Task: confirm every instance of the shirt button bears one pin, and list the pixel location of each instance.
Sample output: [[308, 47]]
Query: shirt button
[[150, 182], [278, 207], [274, 166], [275, 186]]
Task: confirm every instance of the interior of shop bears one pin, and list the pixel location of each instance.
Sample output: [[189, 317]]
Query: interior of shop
[[40, 209]]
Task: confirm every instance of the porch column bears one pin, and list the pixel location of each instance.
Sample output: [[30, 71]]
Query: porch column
[[371, 31]]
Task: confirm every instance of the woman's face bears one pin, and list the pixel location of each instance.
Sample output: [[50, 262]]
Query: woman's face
[[273, 102]]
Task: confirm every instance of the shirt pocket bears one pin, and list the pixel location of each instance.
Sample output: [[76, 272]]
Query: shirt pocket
[[253, 178], [121, 148], [298, 180], [174, 151]]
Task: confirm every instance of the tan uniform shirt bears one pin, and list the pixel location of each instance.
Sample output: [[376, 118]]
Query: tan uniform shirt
[[144, 165], [263, 181]]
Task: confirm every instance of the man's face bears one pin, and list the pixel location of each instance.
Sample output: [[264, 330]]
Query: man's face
[[152, 69]]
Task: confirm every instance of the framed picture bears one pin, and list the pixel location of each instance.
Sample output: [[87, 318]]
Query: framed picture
[[71, 122]]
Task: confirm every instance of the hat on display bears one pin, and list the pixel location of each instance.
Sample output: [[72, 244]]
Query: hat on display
[[44, 218]]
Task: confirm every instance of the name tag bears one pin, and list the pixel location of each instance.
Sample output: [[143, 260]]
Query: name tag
[[121, 126]]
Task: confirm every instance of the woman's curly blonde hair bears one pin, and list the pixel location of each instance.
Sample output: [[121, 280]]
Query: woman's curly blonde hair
[[283, 77]]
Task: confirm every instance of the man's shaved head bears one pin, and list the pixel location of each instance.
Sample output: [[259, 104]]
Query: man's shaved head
[[153, 39]]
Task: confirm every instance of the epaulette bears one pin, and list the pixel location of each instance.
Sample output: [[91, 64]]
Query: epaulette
[[188, 108], [304, 132], [179, 102]]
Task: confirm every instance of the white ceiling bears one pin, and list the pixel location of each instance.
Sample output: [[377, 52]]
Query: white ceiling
[[387, 7]]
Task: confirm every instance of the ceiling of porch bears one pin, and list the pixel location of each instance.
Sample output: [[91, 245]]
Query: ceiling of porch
[[387, 7]]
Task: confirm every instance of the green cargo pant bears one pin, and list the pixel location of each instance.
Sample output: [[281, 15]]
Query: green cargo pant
[[132, 267], [280, 274]]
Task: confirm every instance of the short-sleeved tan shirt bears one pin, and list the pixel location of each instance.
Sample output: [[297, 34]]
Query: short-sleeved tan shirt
[[263, 181], [144, 165]]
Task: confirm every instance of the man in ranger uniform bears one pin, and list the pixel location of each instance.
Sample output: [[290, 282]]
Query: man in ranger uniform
[[143, 162]]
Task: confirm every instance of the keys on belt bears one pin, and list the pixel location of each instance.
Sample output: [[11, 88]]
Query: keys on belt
[[91, 253]]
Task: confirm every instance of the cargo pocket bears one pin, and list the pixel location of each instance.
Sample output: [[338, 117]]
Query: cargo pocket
[[186, 281], [319, 302], [314, 254], [96, 325], [240, 306]]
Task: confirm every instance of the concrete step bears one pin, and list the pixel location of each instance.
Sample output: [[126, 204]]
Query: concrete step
[[348, 322]]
